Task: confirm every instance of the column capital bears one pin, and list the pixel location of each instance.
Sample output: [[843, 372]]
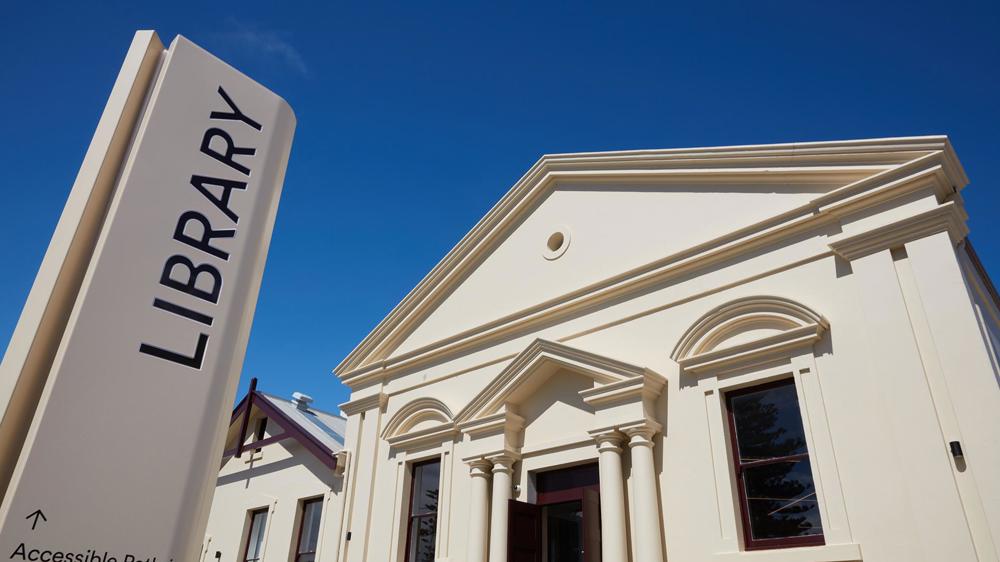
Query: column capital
[[502, 463], [608, 439], [479, 468], [641, 435]]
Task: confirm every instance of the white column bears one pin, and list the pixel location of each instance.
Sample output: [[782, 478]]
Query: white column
[[502, 489], [614, 538], [479, 510], [646, 506]]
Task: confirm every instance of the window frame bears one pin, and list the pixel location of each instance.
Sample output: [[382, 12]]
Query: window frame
[[251, 515], [409, 508], [738, 467], [296, 554]]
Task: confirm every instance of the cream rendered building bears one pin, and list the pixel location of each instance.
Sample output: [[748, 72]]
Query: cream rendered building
[[780, 353], [278, 498]]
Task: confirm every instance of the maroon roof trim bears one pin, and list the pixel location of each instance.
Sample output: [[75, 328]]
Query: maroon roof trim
[[292, 429], [978, 265]]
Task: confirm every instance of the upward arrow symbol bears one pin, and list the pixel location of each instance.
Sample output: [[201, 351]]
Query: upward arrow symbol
[[37, 514]]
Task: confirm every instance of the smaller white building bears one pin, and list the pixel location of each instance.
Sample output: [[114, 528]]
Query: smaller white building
[[278, 495]]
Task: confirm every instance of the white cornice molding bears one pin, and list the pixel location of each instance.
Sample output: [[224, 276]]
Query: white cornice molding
[[504, 421], [646, 386], [722, 321], [422, 438], [603, 370], [415, 412], [930, 159], [753, 352], [377, 400], [703, 346], [949, 217]]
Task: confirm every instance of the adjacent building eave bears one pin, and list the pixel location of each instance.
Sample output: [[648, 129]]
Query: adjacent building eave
[[292, 429]]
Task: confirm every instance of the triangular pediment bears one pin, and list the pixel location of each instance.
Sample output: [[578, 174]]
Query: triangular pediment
[[532, 368], [585, 226]]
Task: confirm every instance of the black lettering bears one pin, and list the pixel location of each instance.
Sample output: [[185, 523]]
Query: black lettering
[[19, 551], [183, 311], [190, 285], [236, 115], [222, 202], [194, 361], [204, 242], [231, 150]]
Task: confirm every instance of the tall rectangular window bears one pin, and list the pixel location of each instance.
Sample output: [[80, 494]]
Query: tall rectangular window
[[255, 537], [422, 529], [773, 471], [309, 530]]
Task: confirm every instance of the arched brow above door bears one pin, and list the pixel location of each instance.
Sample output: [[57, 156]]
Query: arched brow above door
[[747, 329]]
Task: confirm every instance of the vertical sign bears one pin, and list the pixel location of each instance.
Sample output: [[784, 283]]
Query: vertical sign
[[120, 458]]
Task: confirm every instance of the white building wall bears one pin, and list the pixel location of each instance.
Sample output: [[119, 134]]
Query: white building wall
[[902, 370], [278, 478]]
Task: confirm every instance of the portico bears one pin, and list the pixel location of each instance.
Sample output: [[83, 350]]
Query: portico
[[621, 400]]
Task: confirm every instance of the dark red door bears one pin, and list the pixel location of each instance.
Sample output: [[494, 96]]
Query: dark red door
[[592, 525], [524, 532]]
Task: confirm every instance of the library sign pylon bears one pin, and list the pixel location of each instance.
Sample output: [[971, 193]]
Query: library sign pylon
[[115, 390]]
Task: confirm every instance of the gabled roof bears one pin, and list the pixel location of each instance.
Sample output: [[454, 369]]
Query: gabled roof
[[327, 428], [319, 432], [856, 167]]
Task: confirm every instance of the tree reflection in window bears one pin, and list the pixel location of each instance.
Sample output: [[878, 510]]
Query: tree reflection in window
[[422, 529], [777, 496]]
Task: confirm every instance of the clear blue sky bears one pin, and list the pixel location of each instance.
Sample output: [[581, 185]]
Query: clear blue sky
[[413, 120]]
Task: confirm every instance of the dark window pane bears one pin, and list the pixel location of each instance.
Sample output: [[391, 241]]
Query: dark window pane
[[311, 557], [255, 540], [426, 478], [567, 478], [564, 532], [423, 512], [422, 534], [768, 424], [309, 535], [781, 500]]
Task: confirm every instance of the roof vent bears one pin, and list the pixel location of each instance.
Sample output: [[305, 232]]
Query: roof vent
[[301, 401]]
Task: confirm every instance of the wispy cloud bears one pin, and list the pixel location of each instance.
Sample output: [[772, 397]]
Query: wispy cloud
[[265, 43]]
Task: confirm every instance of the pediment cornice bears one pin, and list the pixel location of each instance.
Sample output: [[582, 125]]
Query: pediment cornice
[[610, 375], [949, 217], [872, 171]]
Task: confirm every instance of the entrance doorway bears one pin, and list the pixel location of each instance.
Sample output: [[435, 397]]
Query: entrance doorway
[[564, 523]]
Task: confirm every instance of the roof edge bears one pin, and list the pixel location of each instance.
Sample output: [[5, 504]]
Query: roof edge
[[536, 178]]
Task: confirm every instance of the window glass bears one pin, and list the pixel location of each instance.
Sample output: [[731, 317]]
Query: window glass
[[777, 494], [425, 491], [422, 535], [309, 530], [422, 528], [768, 423], [564, 538], [255, 541]]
